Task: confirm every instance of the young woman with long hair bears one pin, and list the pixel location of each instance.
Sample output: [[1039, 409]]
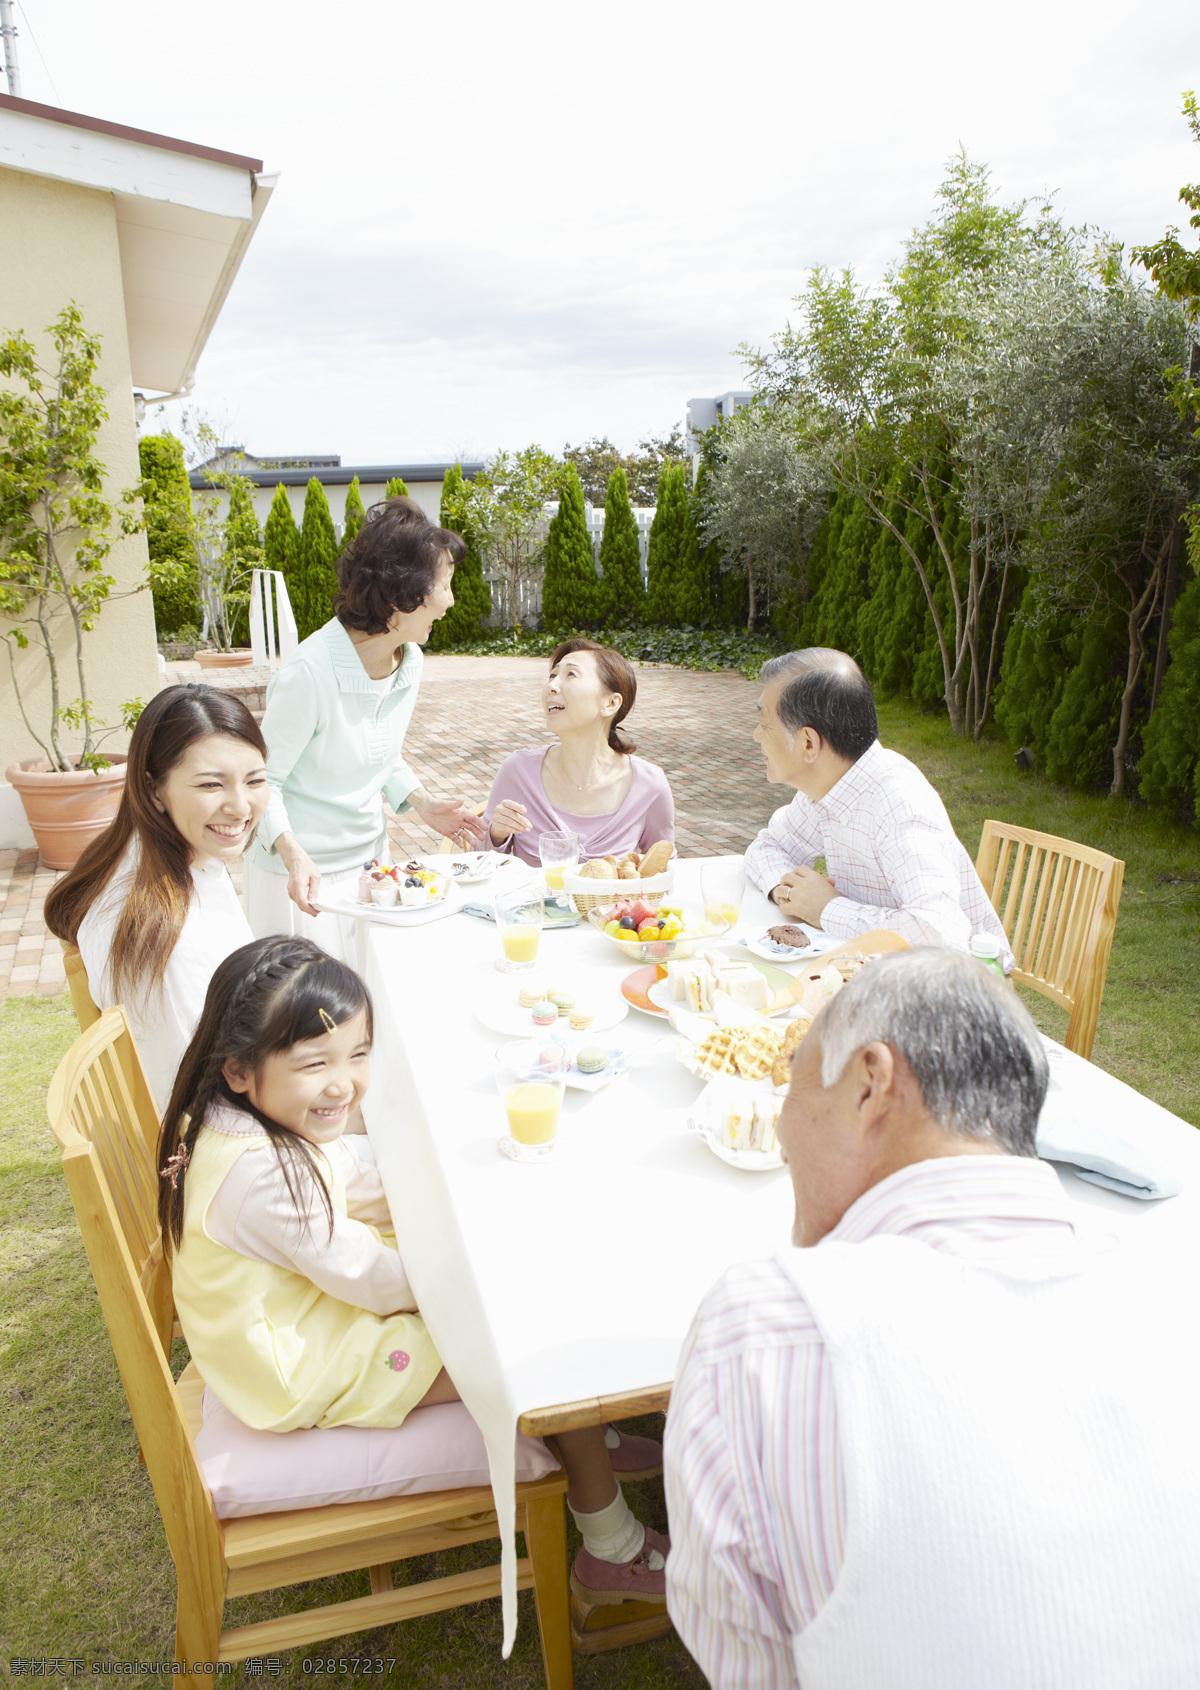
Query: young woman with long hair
[[150, 903], [292, 1296], [590, 783]]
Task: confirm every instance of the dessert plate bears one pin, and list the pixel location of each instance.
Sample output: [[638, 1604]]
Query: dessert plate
[[497, 1007], [635, 989], [704, 1118], [433, 910]]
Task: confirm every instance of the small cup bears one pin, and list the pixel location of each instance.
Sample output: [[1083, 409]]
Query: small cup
[[530, 1077], [384, 894], [558, 851], [519, 916]]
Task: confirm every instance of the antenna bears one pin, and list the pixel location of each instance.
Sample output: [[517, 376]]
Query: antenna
[[8, 30]]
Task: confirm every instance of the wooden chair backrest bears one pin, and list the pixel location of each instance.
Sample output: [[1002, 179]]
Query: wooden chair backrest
[[100, 1095], [101, 1129], [86, 1009], [1057, 902]]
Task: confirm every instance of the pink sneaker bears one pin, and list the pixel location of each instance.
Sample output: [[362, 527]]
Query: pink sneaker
[[606, 1583], [633, 1457]]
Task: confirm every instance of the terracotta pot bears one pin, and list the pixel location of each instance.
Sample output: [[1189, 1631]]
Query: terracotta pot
[[240, 659], [67, 811]]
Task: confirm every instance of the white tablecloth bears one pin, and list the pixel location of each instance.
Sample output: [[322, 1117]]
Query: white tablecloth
[[544, 1284]]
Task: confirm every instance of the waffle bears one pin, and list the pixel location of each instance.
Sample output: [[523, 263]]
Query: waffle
[[756, 1052], [794, 1032], [718, 1052]]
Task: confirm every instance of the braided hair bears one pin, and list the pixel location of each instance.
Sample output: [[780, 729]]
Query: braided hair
[[265, 997]]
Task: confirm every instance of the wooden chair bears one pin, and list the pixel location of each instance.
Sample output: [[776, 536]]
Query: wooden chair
[[86, 1010], [102, 1113], [1057, 902]]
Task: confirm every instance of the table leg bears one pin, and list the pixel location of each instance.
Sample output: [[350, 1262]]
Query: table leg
[[546, 1541]]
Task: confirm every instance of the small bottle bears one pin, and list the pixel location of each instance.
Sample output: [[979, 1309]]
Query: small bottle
[[986, 950]]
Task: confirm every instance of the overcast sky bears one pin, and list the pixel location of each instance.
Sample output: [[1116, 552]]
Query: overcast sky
[[499, 224]]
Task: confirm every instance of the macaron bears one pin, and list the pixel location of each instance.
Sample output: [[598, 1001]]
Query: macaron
[[591, 1059], [581, 1019], [544, 1014], [564, 1002], [530, 995]]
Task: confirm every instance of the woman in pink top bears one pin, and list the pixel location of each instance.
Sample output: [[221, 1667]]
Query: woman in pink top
[[590, 783]]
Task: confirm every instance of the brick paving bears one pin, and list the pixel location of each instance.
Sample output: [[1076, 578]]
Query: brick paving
[[471, 712]]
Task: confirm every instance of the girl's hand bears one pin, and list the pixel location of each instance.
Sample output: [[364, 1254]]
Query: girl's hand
[[304, 877], [508, 818], [449, 816]]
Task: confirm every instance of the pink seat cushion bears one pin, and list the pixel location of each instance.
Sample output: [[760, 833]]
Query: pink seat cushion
[[439, 1448]]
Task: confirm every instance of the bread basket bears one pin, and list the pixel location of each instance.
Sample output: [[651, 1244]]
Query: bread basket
[[588, 893]]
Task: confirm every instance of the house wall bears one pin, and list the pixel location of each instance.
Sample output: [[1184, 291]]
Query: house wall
[[60, 244], [427, 494]]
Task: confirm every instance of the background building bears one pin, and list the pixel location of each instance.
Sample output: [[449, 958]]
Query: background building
[[424, 481], [145, 234]]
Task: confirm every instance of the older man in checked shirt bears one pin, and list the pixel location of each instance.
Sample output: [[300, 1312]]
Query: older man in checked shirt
[[892, 858], [948, 1442]]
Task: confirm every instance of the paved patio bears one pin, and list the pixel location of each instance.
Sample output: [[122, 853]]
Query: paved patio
[[471, 713]]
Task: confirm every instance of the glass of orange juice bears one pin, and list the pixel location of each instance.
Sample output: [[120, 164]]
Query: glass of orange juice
[[530, 1078], [519, 916], [722, 882], [558, 851]]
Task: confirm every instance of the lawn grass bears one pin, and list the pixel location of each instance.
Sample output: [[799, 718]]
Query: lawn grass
[[84, 1568], [1149, 1030]]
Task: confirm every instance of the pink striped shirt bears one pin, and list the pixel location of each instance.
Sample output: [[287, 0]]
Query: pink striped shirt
[[753, 1471]]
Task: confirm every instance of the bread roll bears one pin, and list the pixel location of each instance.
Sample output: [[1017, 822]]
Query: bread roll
[[656, 858]]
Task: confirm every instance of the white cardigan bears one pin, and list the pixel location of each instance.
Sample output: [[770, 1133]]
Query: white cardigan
[[163, 1023]]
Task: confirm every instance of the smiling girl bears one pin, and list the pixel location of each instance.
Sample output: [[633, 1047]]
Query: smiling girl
[[150, 903], [291, 1292], [590, 783]]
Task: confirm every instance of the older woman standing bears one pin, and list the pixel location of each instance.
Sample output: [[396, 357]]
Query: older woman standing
[[336, 716], [589, 783]]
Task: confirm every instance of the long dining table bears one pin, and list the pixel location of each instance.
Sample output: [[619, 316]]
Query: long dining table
[[559, 1294]]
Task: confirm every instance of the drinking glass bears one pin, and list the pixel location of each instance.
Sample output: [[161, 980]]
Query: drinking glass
[[519, 916], [722, 882], [558, 851], [530, 1078]]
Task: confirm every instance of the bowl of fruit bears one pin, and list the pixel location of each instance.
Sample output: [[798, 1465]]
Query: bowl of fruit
[[653, 930]]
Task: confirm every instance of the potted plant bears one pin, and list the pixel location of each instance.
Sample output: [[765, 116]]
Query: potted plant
[[56, 531]]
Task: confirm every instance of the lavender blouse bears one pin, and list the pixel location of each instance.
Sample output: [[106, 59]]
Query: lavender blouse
[[646, 816]]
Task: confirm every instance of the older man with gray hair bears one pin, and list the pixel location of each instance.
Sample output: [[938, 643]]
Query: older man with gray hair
[[948, 1442], [892, 859]]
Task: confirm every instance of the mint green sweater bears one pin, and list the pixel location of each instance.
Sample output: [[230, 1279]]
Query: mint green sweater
[[333, 745]]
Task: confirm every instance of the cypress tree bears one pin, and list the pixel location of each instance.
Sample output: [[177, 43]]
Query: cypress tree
[[472, 595], [833, 618], [243, 555], [355, 514], [622, 593], [1170, 767], [1083, 728], [1038, 657], [396, 489], [168, 504], [667, 542], [281, 545], [317, 580], [570, 589]]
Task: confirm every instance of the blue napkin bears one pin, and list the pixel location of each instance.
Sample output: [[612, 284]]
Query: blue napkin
[[485, 912], [1075, 1127]]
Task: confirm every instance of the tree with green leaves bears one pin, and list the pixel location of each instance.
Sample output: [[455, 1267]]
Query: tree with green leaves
[[243, 555], [504, 505], [1170, 765], [315, 575], [56, 527], [570, 589], [1174, 267], [667, 545], [355, 514], [167, 503], [597, 458], [622, 591], [281, 544], [396, 489], [472, 596]]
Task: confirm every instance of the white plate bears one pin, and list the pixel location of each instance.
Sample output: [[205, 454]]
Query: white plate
[[769, 951], [660, 994], [703, 1119], [497, 1006], [450, 900], [472, 868]]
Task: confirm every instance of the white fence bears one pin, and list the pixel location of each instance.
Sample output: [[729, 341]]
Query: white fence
[[270, 608]]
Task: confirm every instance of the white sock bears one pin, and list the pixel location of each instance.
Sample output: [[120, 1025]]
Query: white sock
[[612, 1533], [612, 1438]]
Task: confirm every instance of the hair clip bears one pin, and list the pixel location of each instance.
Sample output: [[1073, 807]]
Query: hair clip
[[176, 1164], [327, 1021]]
